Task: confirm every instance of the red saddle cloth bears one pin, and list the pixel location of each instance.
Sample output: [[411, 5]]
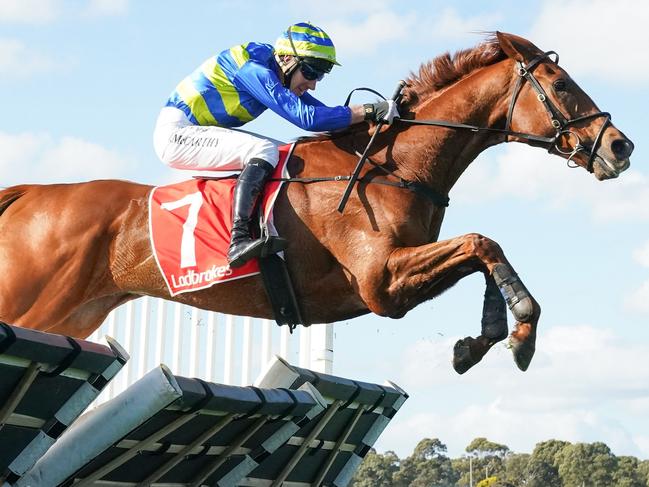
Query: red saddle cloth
[[190, 225]]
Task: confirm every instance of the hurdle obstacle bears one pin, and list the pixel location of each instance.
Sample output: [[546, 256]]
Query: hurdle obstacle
[[46, 382], [329, 452], [213, 346], [168, 430]]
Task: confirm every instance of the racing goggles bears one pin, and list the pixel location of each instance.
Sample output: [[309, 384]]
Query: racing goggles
[[314, 69]]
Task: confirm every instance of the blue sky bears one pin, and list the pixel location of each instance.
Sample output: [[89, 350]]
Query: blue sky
[[83, 82]]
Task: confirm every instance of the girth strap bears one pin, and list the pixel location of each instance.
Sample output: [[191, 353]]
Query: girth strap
[[418, 188]]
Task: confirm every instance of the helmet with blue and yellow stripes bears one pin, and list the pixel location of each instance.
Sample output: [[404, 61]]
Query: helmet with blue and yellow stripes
[[305, 40]]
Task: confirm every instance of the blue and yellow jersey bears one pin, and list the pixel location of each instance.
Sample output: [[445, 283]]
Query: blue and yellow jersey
[[236, 86]]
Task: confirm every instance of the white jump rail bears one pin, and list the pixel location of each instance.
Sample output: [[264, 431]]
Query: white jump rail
[[210, 346]]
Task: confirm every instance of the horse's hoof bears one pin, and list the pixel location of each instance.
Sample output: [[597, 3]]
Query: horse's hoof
[[463, 360], [523, 352]]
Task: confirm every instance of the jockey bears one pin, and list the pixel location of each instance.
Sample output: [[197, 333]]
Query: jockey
[[196, 128]]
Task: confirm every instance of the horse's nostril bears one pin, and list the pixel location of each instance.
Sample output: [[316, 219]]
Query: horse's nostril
[[622, 148]]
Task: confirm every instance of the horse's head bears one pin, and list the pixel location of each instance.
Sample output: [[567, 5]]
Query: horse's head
[[546, 101]]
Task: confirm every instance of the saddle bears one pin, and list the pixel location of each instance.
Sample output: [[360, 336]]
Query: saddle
[[189, 228]]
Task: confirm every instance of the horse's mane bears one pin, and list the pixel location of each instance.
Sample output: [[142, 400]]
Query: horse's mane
[[436, 74], [446, 69], [9, 196]]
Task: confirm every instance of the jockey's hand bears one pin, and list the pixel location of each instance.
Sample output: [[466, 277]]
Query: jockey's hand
[[383, 111]]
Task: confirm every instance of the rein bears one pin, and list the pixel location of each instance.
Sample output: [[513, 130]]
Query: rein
[[558, 121], [525, 73], [420, 189]]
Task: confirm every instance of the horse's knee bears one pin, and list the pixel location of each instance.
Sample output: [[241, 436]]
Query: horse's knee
[[482, 246]]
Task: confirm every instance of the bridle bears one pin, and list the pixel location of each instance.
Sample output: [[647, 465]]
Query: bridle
[[525, 73], [560, 123], [557, 119]]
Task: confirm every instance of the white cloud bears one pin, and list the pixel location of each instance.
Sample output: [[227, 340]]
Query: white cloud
[[643, 442], [449, 24], [564, 354], [599, 38], [102, 8], [639, 406], [19, 61], [30, 157], [528, 173], [29, 11], [368, 35], [48, 11], [641, 255], [363, 33], [639, 299], [335, 9], [582, 380]]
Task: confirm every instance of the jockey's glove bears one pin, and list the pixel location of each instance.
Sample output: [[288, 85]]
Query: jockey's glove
[[383, 111]]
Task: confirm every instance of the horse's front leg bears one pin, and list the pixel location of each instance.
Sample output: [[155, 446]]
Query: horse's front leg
[[469, 351], [417, 274]]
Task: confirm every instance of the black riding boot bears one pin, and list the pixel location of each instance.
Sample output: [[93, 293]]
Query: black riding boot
[[246, 193]]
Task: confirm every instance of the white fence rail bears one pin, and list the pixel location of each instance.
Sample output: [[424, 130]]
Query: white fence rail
[[211, 346]]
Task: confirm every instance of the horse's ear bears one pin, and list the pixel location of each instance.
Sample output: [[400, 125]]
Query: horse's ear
[[516, 47]]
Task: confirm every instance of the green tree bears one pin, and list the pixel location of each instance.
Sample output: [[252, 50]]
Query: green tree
[[488, 458], [542, 468], [589, 464], [461, 469], [376, 470], [547, 451], [428, 466], [643, 471], [484, 447], [627, 473], [515, 469], [484, 457], [553, 463]]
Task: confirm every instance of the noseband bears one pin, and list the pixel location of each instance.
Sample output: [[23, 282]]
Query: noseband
[[560, 123]]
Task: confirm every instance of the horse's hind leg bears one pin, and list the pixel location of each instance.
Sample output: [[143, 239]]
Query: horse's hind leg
[[78, 322], [89, 316]]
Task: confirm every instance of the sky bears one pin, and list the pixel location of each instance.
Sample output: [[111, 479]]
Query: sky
[[84, 81]]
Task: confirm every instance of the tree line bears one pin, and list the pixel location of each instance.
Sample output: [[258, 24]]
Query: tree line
[[553, 463]]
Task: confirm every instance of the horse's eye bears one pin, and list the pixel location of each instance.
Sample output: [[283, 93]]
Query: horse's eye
[[559, 85]]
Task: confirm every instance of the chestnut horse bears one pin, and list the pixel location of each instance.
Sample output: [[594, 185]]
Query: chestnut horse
[[70, 253]]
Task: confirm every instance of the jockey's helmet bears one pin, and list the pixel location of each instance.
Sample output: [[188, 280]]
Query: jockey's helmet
[[309, 44]]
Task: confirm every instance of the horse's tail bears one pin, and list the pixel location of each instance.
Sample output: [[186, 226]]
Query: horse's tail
[[9, 196]]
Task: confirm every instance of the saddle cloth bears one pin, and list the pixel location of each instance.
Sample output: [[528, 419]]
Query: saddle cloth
[[190, 225]]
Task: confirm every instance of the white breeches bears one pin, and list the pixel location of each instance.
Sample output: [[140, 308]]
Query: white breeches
[[182, 145]]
